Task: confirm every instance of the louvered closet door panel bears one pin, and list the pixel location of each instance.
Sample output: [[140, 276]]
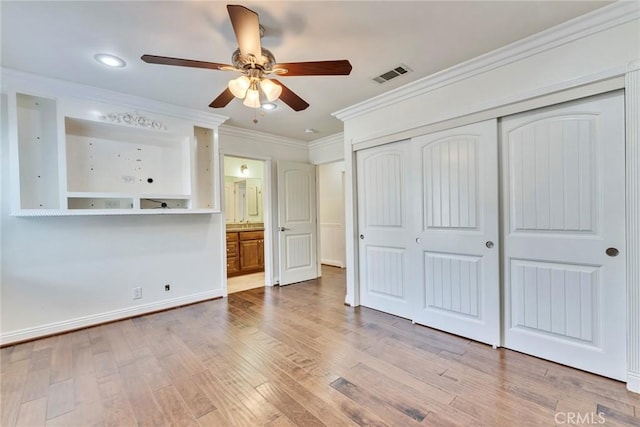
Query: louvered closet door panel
[[455, 192], [563, 197], [384, 227]]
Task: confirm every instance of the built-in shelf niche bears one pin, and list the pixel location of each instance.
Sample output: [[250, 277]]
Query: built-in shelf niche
[[108, 158], [99, 203], [36, 132], [68, 165]]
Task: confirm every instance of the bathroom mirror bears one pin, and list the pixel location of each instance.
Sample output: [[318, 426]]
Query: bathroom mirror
[[243, 199]]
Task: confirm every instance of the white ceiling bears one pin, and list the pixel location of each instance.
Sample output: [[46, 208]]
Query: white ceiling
[[59, 38]]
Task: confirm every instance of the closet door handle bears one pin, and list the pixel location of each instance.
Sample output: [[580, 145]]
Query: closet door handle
[[284, 229], [489, 244], [612, 252], [362, 237]]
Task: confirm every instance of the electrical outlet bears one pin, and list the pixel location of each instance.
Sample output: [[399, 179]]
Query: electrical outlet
[[167, 287], [137, 293]]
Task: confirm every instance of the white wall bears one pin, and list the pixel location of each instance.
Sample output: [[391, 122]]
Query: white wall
[[232, 168], [244, 143], [60, 273], [331, 213], [327, 149]]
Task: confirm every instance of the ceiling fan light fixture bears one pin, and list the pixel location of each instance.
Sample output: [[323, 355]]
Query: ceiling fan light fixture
[[268, 106], [271, 90], [252, 99], [239, 86], [109, 60]]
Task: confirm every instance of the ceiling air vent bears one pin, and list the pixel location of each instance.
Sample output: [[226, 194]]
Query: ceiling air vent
[[392, 74]]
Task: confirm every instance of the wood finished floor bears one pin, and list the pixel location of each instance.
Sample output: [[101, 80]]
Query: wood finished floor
[[291, 356]]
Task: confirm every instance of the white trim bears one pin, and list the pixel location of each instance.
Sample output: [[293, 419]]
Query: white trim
[[34, 84], [352, 296], [109, 316], [567, 91], [632, 98], [633, 382], [337, 138], [268, 221], [332, 262], [262, 137], [327, 149], [108, 212], [596, 21]]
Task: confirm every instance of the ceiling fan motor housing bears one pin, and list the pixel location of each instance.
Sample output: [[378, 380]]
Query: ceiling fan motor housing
[[265, 63]]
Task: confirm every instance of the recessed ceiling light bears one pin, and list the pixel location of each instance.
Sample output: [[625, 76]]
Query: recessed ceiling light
[[109, 60], [309, 130], [268, 106]]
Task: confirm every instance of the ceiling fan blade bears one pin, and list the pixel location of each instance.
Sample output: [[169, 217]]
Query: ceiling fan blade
[[165, 60], [222, 100], [290, 98], [246, 25], [340, 67]]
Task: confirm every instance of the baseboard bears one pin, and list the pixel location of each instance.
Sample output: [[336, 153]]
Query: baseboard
[[633, 382], [109, 316], [333, 263]]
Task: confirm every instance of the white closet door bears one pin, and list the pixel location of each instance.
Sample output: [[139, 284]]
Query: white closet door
[[457, 267], [563, 170], [384, 227]]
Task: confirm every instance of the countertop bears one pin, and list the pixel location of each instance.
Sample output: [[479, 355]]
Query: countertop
[[244, 227]]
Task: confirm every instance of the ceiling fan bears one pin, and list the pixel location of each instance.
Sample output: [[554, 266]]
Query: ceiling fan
[[255, 62]]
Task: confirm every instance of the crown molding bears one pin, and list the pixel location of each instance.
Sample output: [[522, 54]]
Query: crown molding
[[35, 84], [261, 137], [596, 21], [337, 138]]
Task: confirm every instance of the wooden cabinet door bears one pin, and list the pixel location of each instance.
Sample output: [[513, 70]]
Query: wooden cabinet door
[[249, 255], [232, 265]]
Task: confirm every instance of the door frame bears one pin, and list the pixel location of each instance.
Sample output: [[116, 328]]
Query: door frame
[[547, 96], [267, 217]]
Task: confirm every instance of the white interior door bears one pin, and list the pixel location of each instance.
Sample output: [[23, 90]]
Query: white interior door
[[297, 222], [456, 235], [564, 206], [384, 221]]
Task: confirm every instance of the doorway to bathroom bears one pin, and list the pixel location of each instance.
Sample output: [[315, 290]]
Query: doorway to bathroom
[[244, 223]]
